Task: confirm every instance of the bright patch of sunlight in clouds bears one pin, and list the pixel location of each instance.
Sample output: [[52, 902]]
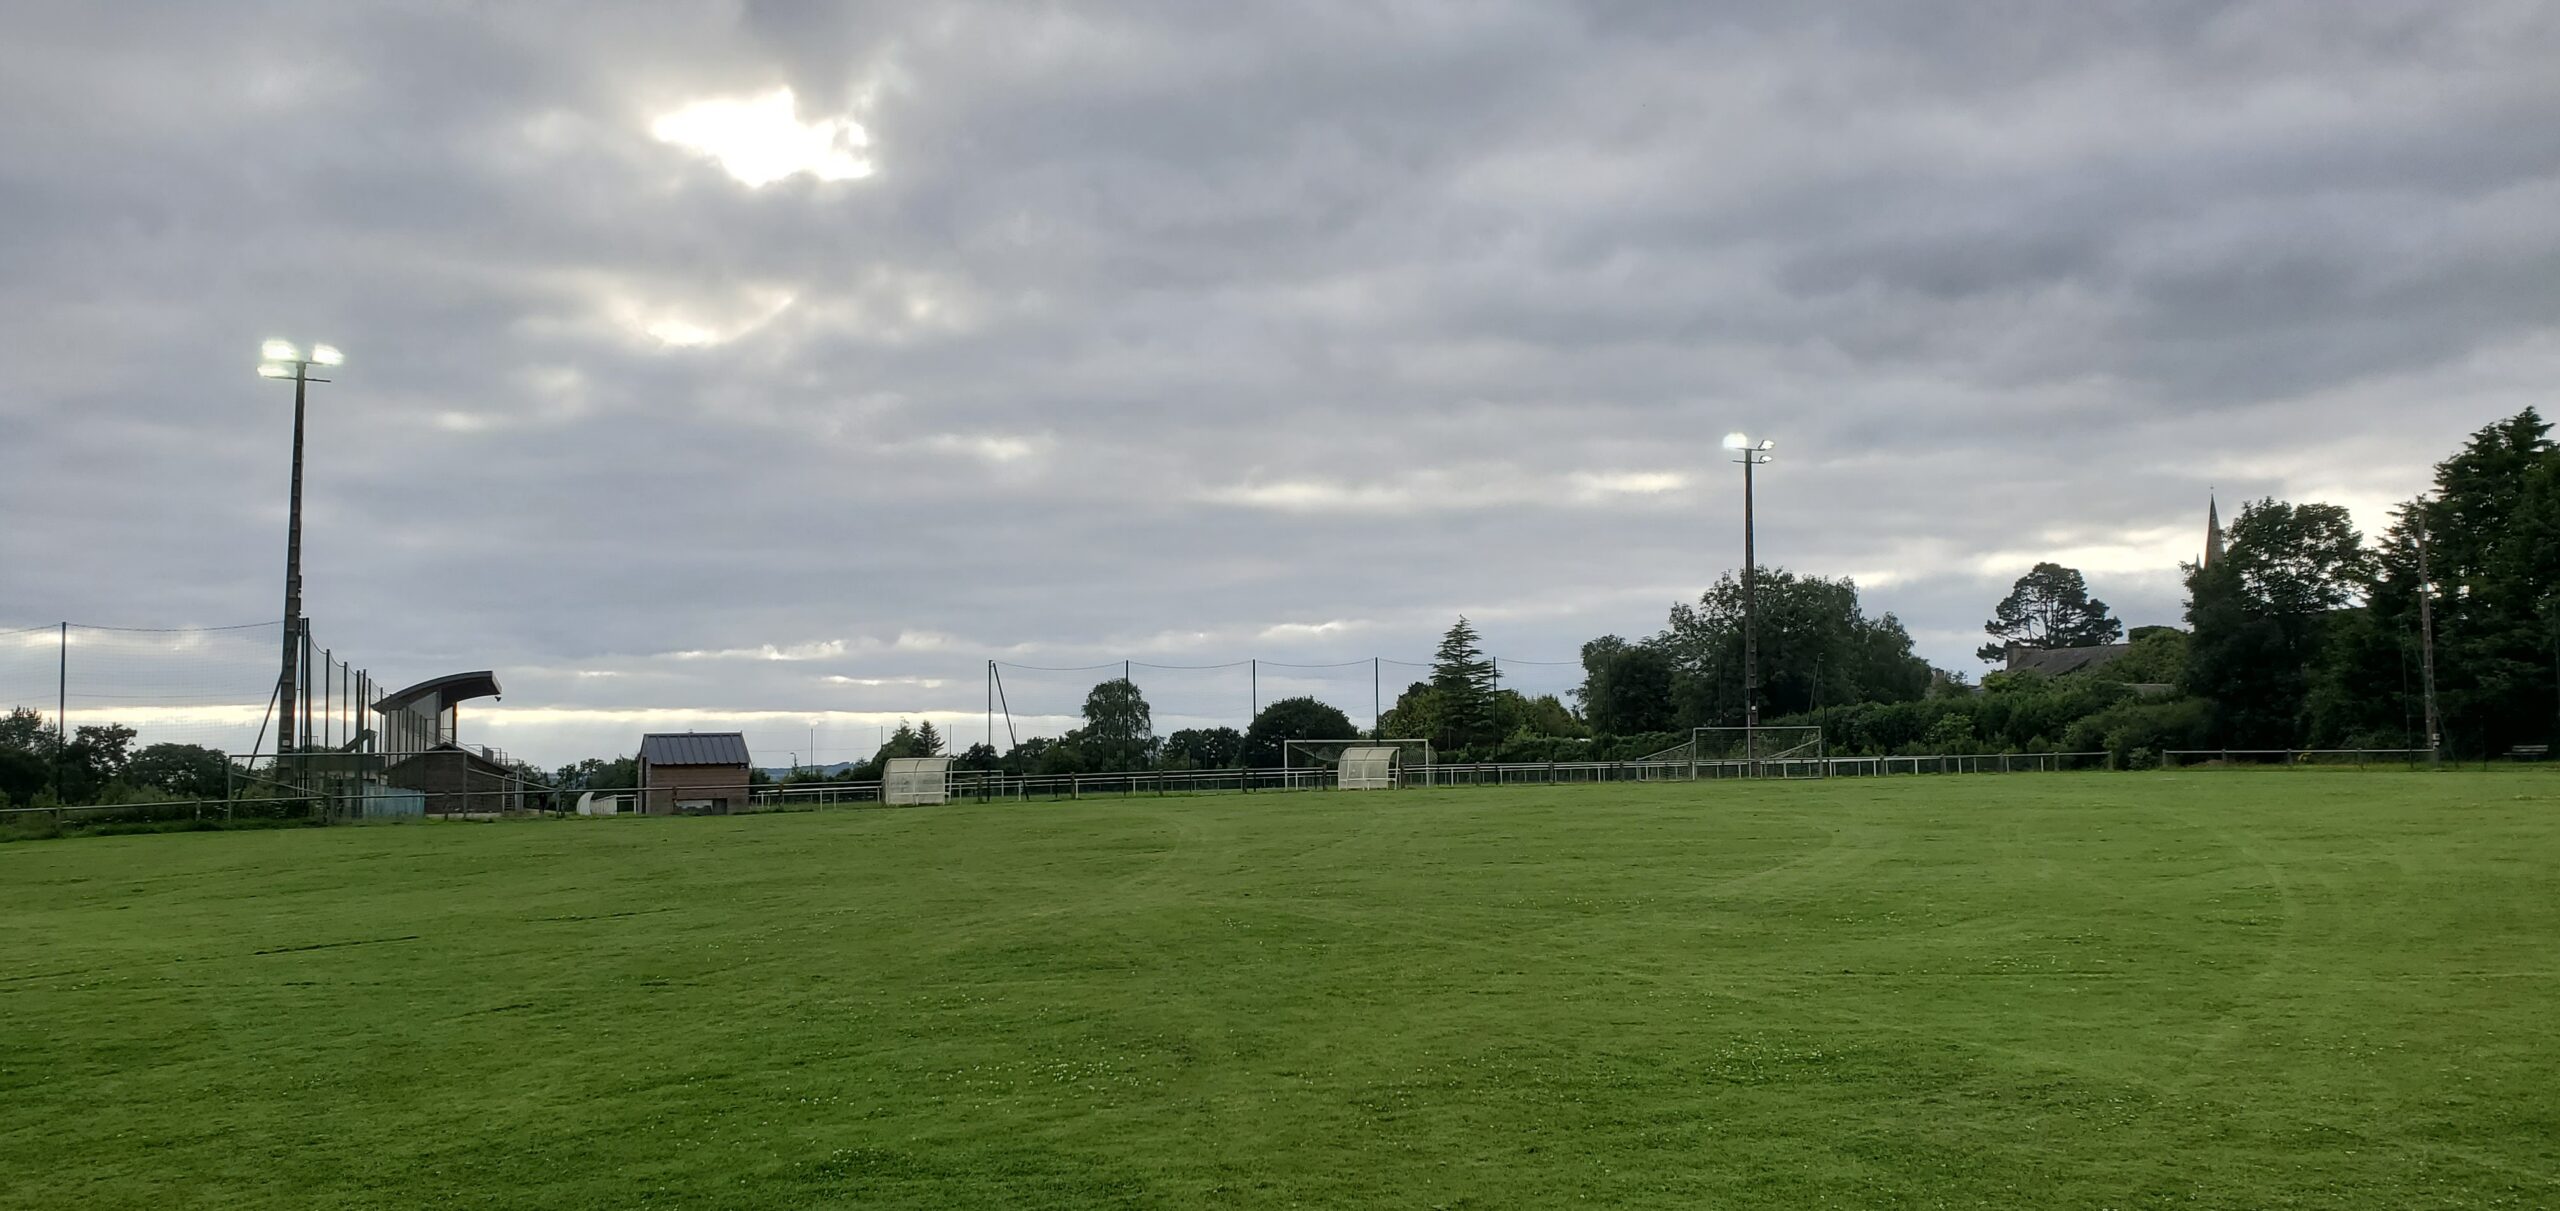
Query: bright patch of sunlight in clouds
[[760, 140]]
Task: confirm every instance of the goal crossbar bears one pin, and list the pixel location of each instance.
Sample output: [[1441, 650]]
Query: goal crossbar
[[1324, 753]]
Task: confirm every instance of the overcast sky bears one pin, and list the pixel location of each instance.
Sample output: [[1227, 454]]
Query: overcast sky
[[774, 365]]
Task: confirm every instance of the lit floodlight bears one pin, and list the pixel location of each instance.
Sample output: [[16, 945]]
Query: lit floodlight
[[328, 355], [280, 351], [1736, 441], [1766, 443], [275, 370]]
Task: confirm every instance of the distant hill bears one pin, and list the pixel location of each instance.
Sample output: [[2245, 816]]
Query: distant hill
[[828, 771]]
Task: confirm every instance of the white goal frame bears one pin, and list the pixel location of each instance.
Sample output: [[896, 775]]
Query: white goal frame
[[1763, 742], [1317, 763], [922, 781]]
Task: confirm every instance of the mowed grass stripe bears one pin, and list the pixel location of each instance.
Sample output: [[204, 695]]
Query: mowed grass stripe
[[2216, 989]]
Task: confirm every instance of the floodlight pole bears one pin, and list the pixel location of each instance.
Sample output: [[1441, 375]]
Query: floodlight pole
[[293, 569], [1751, 459], [2427, 638], [284, 360], [1749, 610]]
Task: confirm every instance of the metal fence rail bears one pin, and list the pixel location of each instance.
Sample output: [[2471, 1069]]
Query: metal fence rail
[[2183, 758], [351, 796]]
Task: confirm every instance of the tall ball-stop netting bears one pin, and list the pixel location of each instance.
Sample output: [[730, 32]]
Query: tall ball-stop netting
[[1048, 701], [208, 686]]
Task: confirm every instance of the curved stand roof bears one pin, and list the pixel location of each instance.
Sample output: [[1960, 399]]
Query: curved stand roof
[[445, 691]]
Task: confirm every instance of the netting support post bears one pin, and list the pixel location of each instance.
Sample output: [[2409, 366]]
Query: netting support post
[[61, 705]]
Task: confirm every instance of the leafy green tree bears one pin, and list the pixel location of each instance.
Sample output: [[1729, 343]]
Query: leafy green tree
[[1464, 682], [1952, 733], [1044, 755], [27, 752], [2493, 552], [1520, 716], [1119, 728], [95, 759], [1203, 748], [978, 757], [24, 730], [1414, 715], [1293, 719], [2262, 614], [906, 740], [1817, 648], [1627, 688], [2157, 656], [598, 774], [23, 775], [187, 770], [2049, 607]]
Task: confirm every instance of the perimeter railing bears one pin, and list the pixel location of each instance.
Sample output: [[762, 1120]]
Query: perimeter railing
[[356, 797], [2291, 757]]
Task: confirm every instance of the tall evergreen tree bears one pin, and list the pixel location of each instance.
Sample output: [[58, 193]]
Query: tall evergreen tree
[[2492, 525], [1463, 681]]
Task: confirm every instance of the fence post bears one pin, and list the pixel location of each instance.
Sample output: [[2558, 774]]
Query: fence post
[[1075, 786]]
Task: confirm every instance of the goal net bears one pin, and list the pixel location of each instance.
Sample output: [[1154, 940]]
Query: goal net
[[1759, 743], [1353, 764], [1766, 750], [920, 780]]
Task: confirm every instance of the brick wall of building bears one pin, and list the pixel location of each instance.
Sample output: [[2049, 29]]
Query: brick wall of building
[[724, 785]]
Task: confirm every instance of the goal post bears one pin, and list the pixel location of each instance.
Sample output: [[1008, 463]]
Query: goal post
[[1783, 751], [1353, 764]]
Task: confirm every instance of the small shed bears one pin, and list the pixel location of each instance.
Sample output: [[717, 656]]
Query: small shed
[[693, 773]]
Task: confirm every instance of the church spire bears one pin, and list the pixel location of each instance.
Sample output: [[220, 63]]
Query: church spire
[[2212, 531]]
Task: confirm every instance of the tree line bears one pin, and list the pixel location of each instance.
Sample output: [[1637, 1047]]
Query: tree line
[[2301, 634]]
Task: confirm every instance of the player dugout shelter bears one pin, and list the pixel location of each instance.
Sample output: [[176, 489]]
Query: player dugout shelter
[[693, 773]]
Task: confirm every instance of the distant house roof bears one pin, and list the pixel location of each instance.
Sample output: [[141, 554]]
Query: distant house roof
[[442, 692], [2054, 662], [693, 748]]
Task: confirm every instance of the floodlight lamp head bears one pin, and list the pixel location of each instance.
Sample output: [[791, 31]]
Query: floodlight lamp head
[[327, 355], [279, 351], [274, 370], [1766, 443], [1736, 441]]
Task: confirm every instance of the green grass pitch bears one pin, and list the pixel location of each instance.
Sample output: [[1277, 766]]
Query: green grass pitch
[[2202, 989]]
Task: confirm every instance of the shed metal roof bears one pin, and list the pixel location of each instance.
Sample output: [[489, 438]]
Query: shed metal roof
[[2058, 661], [694, 748]]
